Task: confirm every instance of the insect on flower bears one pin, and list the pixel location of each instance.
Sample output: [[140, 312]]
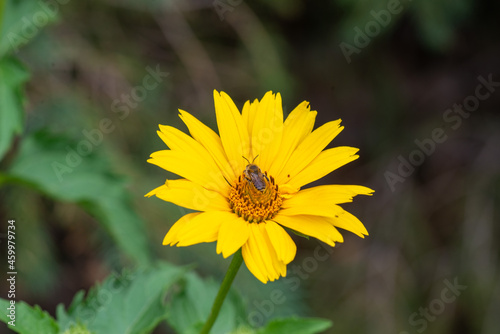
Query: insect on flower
[[252, 205], [254, 175]]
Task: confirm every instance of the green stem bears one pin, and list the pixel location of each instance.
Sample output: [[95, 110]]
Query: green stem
[[223, 290]]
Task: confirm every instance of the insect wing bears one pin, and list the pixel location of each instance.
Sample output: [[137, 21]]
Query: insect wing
[[258, 181]]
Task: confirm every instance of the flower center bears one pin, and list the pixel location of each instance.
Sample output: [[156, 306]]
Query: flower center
[[249, 198]]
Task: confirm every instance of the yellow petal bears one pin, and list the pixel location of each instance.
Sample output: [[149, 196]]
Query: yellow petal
[[251, 260], [232, 235], [318, 208], [297, 126], [261, 251], [232, 131], [278, 265], [301, 121], [211, 141], [322, 200], [202, 228], [190, 195], [192, 168], [323, 196], [179, 141], [309, 149], [248, 113], [347, 221], [267, 130], [314, 226], [283, 245], [171, 237], [325, 163], [260, 256], [286, 191]]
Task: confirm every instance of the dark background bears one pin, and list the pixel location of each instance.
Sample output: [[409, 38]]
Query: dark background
[[430, 225]]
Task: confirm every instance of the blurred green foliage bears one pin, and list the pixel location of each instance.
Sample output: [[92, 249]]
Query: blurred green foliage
[[134, 302], [41, 163], [129, 303], [63, 72], [13, 75]]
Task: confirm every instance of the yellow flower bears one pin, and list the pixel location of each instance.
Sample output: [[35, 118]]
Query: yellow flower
[[245, 182]]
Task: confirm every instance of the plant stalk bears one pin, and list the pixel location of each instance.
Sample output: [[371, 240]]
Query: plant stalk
[[223, 290]]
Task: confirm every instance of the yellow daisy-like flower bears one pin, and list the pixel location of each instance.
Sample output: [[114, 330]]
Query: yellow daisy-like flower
[[245, 182]]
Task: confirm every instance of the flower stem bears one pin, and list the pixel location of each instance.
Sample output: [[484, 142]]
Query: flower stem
[[223, 290]]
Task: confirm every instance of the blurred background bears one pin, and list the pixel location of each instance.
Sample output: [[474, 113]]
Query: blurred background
[[396, 72]]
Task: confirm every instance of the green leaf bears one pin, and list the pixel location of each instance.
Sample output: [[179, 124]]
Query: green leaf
[[130, 303], [295, 325], [23, 20], [13, 75], [28, 320], [191, 306], [58, 168]]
